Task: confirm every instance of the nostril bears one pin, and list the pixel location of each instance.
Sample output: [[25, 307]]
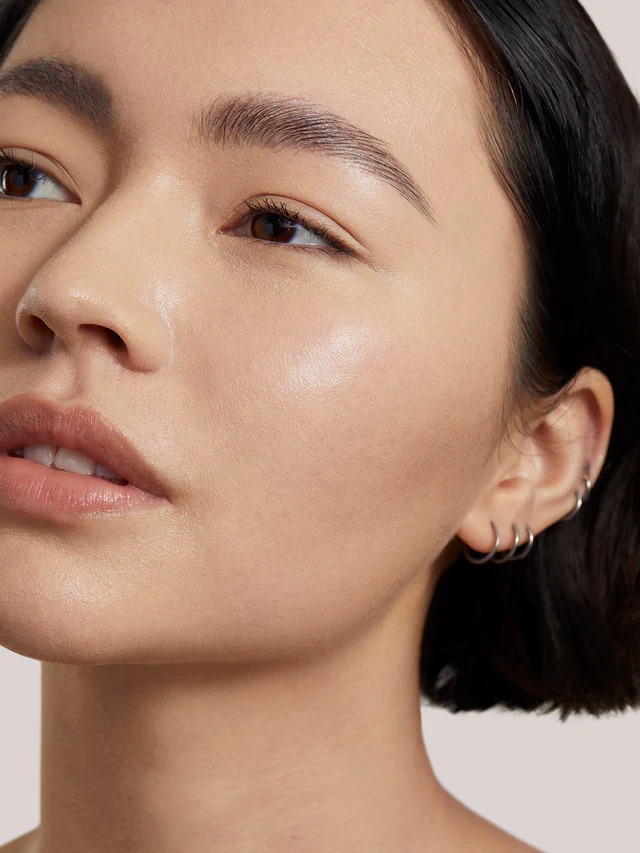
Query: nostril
[[39, 325], [113, 337]]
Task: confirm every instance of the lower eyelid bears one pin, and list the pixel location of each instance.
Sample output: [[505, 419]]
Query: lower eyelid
[[296, 247], [291, 249]]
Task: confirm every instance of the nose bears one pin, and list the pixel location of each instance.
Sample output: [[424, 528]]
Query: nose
[[96, 295]]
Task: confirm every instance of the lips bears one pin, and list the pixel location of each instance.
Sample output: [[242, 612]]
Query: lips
[[26, 419]]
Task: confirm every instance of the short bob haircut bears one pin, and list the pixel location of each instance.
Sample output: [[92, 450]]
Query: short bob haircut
[[559, 629]]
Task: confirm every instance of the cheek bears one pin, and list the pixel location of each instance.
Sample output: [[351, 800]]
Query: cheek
[[335, 461]]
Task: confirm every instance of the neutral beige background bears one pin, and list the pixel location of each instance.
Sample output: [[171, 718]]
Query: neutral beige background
[[566, 788]]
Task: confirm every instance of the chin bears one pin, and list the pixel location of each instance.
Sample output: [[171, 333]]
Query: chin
[[47, 623]]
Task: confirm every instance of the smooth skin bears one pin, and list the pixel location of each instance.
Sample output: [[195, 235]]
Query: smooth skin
[[239, 672]]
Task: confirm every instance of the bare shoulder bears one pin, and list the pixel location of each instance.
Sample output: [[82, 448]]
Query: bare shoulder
[[26, 843], [486, 837], [504, 842], [490, 838], [479, 835]]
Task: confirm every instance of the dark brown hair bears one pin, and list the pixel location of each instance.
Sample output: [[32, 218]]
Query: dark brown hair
[[559, 629]]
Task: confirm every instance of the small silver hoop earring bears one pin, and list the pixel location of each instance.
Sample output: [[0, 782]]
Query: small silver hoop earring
[[488, 556], [527, 547], [580, 498], [509, 555]]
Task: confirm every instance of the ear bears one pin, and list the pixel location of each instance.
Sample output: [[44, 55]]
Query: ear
[[534, 478]]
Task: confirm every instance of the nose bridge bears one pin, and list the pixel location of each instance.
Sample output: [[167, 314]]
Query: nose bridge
[[106, 284]]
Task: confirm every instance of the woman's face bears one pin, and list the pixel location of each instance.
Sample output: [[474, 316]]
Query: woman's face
[[322, 421]]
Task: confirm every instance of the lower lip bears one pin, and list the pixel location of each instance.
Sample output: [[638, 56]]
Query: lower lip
[[49, 493]]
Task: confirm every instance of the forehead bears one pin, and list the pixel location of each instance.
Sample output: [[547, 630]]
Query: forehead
[[389, 66]]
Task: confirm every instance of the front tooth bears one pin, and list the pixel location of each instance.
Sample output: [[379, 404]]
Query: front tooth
[[103, 471], [43, 453], [74, 461]]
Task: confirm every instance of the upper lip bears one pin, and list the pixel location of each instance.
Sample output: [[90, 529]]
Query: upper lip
[[25, 419]]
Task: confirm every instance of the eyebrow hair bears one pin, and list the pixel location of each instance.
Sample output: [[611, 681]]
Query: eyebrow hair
[[276, 122], [296, 124], [75, 88]]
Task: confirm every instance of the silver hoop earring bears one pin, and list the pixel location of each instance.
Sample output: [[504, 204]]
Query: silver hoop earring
[[488, 556], [527, 547], [580, 498], [509, 555]]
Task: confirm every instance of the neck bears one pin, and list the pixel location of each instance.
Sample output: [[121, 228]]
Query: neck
[[324, 754]]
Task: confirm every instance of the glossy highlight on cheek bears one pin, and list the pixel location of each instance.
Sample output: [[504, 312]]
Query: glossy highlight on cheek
[[331, 360]]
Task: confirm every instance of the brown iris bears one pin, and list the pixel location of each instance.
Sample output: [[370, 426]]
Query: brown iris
[[277, 228], [20, 184]]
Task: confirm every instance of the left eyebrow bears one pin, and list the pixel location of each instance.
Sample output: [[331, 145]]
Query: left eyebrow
[[276, 122], [281, 122]]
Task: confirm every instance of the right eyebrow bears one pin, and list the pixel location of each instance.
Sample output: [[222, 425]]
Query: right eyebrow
[[274, 122]]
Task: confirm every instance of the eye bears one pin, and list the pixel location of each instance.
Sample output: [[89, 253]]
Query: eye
[[275, 223], [18, 178]]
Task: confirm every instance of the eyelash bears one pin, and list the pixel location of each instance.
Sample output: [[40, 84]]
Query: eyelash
[[337, 247]]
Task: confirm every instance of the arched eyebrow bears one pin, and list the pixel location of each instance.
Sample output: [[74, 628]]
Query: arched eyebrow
[[272, 121]]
